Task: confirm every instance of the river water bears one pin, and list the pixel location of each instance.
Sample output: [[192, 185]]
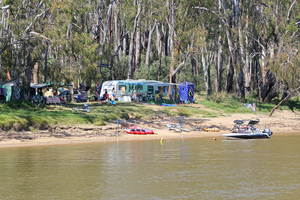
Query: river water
[[177, 169]]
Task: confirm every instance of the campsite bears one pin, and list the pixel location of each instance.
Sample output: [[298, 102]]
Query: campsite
[[160, 99], [25, 124]]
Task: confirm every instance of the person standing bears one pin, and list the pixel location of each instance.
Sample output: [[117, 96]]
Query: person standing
[[98, 91], [133, 97], [191, 95], [113, 94]]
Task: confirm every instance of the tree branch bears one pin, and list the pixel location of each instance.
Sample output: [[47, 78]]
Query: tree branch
[[181, 65], [289, 12], [107, 22], [30, 25], [116, 52], [264, 4], [38, 34], [288, 96], [213, 12], [5, 7]]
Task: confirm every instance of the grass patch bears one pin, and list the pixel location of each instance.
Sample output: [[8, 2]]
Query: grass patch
[[24, 115], [18, 116], [229, 104]]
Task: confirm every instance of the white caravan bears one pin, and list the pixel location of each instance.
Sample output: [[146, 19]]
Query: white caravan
[[124, 88]]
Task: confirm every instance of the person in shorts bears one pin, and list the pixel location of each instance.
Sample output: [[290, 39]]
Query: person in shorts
[[113, 94]]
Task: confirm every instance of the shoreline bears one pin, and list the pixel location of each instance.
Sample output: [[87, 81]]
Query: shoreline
[[282, 123], [46, 141]]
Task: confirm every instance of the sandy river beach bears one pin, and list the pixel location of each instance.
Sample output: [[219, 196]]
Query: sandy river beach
[[281, 123]]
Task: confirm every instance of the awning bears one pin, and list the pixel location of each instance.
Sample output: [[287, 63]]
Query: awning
[[34, 85], [147, 82]]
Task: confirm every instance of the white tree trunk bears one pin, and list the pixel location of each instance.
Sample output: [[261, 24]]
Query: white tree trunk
[[206, 71], [149, 45], [131, 45]]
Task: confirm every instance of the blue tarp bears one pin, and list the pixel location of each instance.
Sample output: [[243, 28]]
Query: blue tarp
[[184, 89]]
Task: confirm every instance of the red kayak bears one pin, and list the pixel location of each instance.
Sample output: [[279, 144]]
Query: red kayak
[[138, 131]]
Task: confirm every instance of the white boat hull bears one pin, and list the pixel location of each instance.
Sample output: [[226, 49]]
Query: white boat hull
[[246, 135]]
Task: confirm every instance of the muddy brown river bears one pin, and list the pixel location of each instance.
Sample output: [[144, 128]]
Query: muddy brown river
[[177, 169]]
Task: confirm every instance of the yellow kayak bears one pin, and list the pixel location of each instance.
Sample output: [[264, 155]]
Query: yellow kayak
[[211, 129]]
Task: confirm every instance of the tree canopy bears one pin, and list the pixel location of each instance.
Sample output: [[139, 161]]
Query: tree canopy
[[236, 46]]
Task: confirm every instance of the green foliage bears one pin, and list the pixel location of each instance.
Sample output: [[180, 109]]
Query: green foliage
[[151, 72], [68, 30]]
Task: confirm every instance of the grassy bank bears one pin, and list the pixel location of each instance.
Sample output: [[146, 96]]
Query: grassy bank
[[19, 116]]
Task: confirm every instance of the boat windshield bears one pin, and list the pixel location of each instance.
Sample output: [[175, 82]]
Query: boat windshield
[[253, 122], [238, 122]]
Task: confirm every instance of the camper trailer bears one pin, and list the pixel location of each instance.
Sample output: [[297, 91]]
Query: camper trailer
[[124, 88], [121, 89]]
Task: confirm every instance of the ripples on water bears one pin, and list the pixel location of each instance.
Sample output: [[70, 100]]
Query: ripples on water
[[178, 169]]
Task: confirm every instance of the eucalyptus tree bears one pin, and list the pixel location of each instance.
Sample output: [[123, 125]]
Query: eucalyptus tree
[[5, 38], [131, 11], [75, 48], [283, 48], [24, 29], [275, 35]]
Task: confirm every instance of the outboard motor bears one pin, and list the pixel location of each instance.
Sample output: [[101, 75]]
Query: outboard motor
[[268, 131]]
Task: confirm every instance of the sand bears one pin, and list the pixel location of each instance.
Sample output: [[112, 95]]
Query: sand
[[281, 123]]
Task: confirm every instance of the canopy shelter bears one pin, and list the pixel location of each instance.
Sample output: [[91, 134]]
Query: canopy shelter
[[37, 86], [149, 84], [186, 91], [146, 82]]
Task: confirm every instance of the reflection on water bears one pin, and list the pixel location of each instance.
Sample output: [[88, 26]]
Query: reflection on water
[[178, 169]]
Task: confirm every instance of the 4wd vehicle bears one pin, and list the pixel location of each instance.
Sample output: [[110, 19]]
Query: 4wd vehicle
[[80, 96]]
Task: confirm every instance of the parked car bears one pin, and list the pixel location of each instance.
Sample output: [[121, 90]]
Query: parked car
[[80, 96]]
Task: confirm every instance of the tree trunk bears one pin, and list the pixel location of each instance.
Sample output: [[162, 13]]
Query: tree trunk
[[36, 73], [28, 74], [108, 22], [5, 15], [45, 64], [258, 80], [229, 76], [138, 46], [197, 71], [267, 89], [131, 45], [167, 43], [117, 37], [171, 25], [216, 71], [130, 56], [159, 42], [218, 67], [124, 41], [149, 46], [206, 71], [8, 74]]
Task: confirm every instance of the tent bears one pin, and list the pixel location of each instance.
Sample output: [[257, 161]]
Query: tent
[[184, 89], [10, 89]]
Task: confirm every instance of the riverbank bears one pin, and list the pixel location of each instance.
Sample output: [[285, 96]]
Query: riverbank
[[281, 123]]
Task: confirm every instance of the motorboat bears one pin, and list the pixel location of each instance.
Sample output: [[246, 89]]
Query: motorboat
[[244, 129], [138, 131]]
